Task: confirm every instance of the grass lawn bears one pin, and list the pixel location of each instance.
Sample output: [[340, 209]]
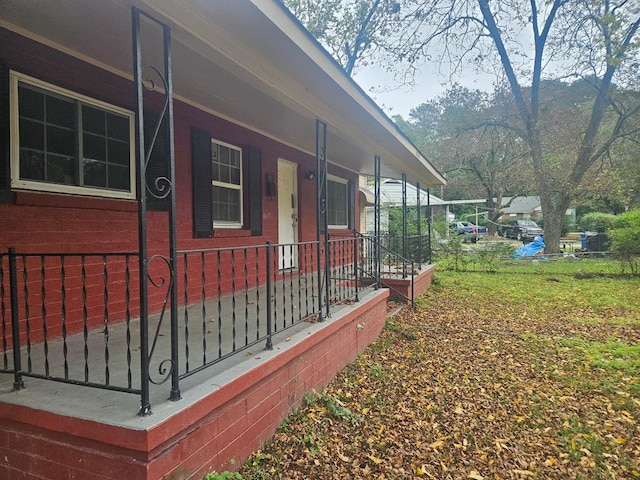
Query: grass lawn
[[531, 372]]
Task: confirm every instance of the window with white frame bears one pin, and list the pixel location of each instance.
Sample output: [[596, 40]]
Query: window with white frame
[[226, 181], [337, 202], [69, 143]]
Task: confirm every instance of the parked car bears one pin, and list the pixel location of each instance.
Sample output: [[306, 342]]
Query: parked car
[[525, 230], [468, 230]]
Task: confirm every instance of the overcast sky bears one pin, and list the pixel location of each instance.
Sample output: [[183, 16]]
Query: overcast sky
[[399, 100]]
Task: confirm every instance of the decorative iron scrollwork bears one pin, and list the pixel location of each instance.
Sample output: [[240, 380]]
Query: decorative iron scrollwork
[[161, 186], [166, 366]]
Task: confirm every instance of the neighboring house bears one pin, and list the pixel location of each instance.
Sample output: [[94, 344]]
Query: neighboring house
[[528, 208], [525, 208], [166, 295], [391, 196]]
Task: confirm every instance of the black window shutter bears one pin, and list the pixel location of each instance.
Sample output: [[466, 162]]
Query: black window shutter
[[158, 165], [351, 200], [254, 184], [5, 135], [202, 190]]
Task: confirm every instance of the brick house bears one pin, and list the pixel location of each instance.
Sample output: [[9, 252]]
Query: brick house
[[177, 192]]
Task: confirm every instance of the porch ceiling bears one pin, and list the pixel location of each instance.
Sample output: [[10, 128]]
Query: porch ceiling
[[248, 61]]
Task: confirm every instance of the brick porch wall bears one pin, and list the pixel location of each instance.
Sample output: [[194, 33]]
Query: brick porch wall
[[227, 424], [421, 282]]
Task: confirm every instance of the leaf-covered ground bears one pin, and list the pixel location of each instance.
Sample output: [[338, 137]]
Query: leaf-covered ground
[[492, 376]]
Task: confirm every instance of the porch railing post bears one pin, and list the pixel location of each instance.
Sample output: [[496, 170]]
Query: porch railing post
[[355, 266], [413, 276], [268, 296], [18, 383]]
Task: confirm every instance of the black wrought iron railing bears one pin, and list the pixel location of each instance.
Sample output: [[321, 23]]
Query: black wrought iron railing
[[416, 248], [383, 265], [74, 317], [239, 297], [68, 318]]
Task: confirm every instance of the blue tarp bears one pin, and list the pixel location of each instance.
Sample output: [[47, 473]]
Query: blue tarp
[[530, 249]]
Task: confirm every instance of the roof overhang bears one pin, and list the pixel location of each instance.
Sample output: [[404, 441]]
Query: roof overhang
[[248, 61]]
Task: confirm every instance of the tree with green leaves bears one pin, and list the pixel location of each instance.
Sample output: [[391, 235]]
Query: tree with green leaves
[[352, 31], [595, 41], [524, 44], [480, 160]]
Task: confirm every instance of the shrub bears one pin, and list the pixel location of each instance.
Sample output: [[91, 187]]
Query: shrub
[[596, 221], [627, 219], [625, 239]]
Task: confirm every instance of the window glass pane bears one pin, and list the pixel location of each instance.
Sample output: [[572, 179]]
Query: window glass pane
[[226, 205], [337, 206], [61, 169], [94, 147], [118, 127], [223, 155], [95, 173], [118, 152], [93, 120], [118, 177], [234, 158], [31, 103], [60, 140], [235, 176], [31, 165], [31, 135], [224, 174], [61, 112]]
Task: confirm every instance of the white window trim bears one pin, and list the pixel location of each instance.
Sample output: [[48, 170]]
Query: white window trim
[[19, 184], [222, 224], [344, 181]]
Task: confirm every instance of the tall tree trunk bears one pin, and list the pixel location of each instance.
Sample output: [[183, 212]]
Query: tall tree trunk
[[553, 212]]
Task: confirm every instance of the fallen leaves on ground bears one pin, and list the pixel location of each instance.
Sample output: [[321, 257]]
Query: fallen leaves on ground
[[478, 390]]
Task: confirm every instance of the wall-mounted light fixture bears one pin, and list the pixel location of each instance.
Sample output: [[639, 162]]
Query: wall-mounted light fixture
[[310, 174]]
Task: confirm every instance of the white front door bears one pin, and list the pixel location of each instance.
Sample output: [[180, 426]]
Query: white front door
[[287, 213]]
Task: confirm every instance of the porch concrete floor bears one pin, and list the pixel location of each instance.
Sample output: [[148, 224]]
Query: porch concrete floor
[[120, 409]]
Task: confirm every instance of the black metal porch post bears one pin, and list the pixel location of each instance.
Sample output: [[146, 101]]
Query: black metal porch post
[[173, 256], [429, 259], [145, 405], [161, 188], [418, 225], [404, 225], [376, 210], [322, 218]]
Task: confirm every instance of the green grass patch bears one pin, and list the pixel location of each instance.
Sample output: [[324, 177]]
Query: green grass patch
[[610, 355], [605, 321], [543, 291]]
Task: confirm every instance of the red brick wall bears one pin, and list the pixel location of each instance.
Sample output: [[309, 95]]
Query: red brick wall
[[44, 222]]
